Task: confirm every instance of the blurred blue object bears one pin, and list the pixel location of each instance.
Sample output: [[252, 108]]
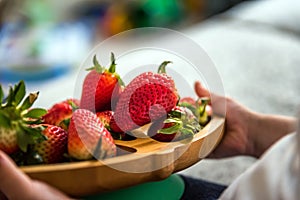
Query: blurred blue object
[[41, 73], [41, 52]]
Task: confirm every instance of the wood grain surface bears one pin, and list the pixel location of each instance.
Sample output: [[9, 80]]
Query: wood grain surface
[[142, 160]]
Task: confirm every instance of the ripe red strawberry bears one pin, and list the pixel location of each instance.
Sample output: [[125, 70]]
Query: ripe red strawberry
[[15, 119], [147, 97], [88, 137], [105, 117], [60, 113], [180, 124], [53, 149], [99, 86], [154, 130]]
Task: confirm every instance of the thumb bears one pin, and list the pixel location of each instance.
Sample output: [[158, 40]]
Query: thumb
[[13, 183], [200, 90], [218, 103]]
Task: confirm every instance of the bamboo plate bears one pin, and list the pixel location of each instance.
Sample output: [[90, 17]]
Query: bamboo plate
[[143, 160]]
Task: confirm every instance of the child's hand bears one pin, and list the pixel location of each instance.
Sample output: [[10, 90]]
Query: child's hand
[[14, 184]]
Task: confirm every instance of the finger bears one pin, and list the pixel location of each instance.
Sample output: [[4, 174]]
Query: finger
[[218, 103], [14, 184], [200, 90]]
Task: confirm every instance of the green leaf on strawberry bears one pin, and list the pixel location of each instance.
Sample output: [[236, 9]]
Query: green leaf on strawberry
[[30, 99], [35, 113], [198, 107], [16, 131], [5, 121], [19, 93], [176, 126], [180, 124]]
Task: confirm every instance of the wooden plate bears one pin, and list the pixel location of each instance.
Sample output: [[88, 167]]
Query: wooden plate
[[143, 160]]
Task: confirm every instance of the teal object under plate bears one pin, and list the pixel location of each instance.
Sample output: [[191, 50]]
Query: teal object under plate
[[171, 188]]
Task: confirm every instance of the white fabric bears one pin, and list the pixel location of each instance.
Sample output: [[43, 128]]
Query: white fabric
[[278, 13], [275, 176]]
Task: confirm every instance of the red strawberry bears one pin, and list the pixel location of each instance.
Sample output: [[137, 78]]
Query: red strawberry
[[180, 124], [148, 96], [53, 149], [99, 86], [154, 130], [15, 119], [8, 140], [88, 137], [60, 113], [105, 117]]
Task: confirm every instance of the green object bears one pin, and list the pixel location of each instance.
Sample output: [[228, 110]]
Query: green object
[[39, 11], [171, 188]]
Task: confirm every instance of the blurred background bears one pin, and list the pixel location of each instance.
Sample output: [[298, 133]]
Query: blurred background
[[40, 39], [255, 46]]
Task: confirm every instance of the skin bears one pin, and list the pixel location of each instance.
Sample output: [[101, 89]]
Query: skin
[[15, 184], [246, 133]]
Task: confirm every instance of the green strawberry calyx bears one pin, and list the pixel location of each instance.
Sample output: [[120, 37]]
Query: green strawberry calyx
[[176, 125], [101, 69], [182, 122], [16, 114], [162, 67], [201, 113], [199, 109]]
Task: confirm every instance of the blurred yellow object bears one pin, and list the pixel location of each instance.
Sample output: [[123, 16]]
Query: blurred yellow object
[[116, 20]]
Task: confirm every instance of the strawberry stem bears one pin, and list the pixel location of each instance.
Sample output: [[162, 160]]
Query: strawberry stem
[[112, 68], [162, 67], [204, 102], [97, 67]]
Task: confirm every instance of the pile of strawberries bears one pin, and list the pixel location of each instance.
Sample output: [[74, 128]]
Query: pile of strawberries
[[108, 110]]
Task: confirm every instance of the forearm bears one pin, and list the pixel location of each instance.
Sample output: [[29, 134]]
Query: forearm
[[264, 130]]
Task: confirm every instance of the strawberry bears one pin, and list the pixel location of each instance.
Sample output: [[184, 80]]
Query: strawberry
[[99, 85], [180, 124], [53, 149], [154, 130], [201, 108], [88, 137], [16, 118], [60, 113], [105, 117], [147, 97]]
